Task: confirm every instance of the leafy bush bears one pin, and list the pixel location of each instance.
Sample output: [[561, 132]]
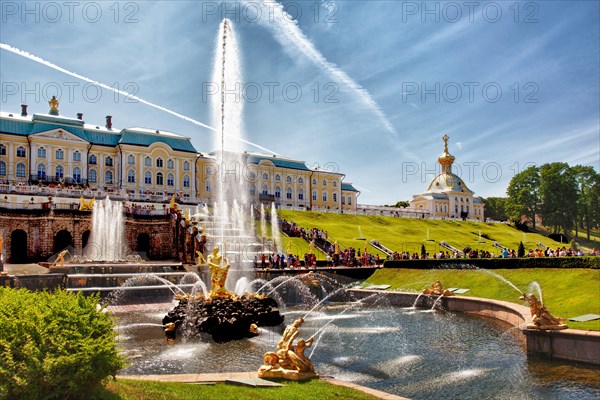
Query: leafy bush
[[521, 250], [54, 345]]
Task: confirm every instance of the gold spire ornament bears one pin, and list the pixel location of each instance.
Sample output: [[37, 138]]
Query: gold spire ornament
[[53, 103]]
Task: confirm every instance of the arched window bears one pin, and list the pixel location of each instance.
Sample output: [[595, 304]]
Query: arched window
[[300, 180], [335, 197], [59, 154], [349, 200], [334, 183], [93, 159], [131, 176], [148, 162], [265, 176], [159, 178], [277, 192], [170, 180], [77, 174], [20, 151], [21, 170], [131, 159], [92, 176], [159, 162], [252, 189], [343, 200], [314, 195], [2, 150], [108, 161], [265, 190], [108, 178], [2, 168], [300, 194], [288, 179], [324, 182], [76, 156], [148, 178], [59, 172], [207, 185], [186, 181], [314, 181], [41, 171], [277, 178], [288, 193], [324, 195], [41, 152], [252, 176], [170, 164], [186, 165]]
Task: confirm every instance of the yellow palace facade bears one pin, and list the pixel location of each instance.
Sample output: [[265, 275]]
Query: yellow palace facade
[[50, 150]]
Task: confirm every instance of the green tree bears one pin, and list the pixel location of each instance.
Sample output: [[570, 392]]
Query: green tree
[[403, 204], [495, 208], [521, 250], [524, 196], [558, 191], [585, 179]]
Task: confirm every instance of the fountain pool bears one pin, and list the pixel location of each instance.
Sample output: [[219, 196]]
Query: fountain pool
[[420, 355]]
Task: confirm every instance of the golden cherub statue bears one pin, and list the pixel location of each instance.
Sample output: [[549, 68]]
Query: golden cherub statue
[[60, 258], [540, 316], [288, 361], [218, 274], [53, 103], [86, 205], [437, 289]]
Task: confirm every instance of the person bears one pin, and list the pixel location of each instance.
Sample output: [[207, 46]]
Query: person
[[218, 274]]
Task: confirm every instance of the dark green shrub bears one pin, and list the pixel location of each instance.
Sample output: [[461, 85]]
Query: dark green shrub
[[54, 345], [521, 250]]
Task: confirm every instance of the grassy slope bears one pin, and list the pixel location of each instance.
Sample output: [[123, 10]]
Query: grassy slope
[[406, 234], [145, 390], [567, 292]]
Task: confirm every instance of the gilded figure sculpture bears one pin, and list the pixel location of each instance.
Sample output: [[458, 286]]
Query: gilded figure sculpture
[[218, 274], [436, 289], [540, 316], [53, 103], [86, 205], [288, 361], [60, 259]]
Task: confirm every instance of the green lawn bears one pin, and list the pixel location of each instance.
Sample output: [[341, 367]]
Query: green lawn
[[147, 390], [407, 234], [566, 292]]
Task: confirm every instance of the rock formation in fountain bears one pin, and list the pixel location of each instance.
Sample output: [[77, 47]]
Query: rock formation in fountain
[[221, 313]]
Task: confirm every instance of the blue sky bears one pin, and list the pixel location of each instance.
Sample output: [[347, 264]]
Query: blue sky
[[428, 69]]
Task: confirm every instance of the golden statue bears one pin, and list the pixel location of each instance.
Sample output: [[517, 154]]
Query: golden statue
[[187, 216], [201, 262], [288, 361], [53, 103], [60, 258], [540, 316], [172, 204], [218, 274], [86, 205], [337, 247], [288, 248], [311, 247], [1, 244], [436, 289]]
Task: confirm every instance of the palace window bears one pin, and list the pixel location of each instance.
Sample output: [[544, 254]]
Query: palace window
[[92, 176], [2, 168], [186, 165], [41, 152], [20, 151], [148, 178], [59, 154], [334, 183], [265, 190], [170, 180], [252, 189], [335, 197], [76, 156], [148, 162], [59, 172], [93, 159], [131, 176], [324, 182], [186, 181], [343, 200], [300, 180], [349, 200], [300, 194], [108, 178], [288, 193], [108, 161], [20, 170], [265, 176], [207, 185], [252, 176], [159, 162], [277, 178], [208, 170], [2, 150], [170, 164], [278, 192], [314, 181], [288, 179], [77, 174], [324, 195], [314, 195], [159, 178], [131, 159]]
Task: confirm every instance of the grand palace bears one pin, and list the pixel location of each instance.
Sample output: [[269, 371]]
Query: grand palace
[[51, 154]]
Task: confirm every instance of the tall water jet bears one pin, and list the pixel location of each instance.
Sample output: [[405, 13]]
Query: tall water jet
[[263, 221], [275, 228], [107, 237]]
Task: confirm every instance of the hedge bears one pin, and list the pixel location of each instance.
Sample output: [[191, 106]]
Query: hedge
[[54, 345], [499, 263]]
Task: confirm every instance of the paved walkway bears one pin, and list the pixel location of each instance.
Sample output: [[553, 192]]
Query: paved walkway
[[25, 269], [222, 377]]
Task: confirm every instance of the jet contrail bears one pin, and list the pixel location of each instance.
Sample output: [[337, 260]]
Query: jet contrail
[[40, 60], [288, 33]]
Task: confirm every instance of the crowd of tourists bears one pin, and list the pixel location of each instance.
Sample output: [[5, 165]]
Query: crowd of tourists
[[505, 253]]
